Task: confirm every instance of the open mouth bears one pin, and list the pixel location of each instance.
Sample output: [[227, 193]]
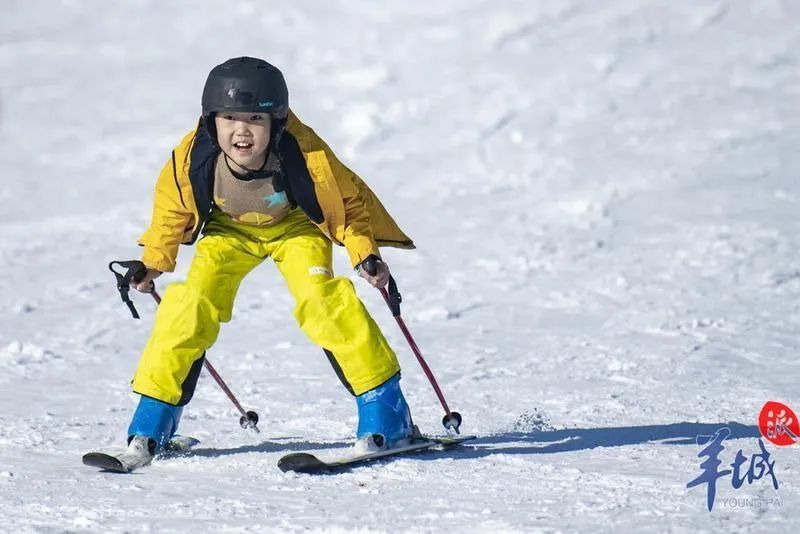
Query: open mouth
[[243, 146]]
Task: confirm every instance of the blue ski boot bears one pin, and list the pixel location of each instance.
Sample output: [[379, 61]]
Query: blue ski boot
[[153, 424], [384, 420], [156, 421]]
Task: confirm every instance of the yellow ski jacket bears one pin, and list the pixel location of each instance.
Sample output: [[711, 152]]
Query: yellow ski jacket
[[332, 196]]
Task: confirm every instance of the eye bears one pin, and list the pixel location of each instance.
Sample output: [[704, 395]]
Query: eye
[[257, 118], [228, 117]]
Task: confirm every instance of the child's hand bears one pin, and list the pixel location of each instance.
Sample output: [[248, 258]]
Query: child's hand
[[374, 271], [145, 285]]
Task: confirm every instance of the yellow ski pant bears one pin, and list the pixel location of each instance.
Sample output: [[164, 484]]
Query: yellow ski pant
[[327, 308]]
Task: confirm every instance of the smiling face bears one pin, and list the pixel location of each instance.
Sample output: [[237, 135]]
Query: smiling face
[[244, 137]]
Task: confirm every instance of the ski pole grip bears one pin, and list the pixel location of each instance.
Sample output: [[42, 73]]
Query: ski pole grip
[[393, 298], [137, 270], [371, 264]]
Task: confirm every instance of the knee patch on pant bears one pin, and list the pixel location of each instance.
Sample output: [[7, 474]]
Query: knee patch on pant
[[323, 307]]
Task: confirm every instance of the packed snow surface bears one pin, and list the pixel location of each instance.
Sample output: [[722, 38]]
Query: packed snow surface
[[605, 200]]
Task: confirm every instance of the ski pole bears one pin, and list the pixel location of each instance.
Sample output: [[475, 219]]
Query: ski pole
[[136, 269], [451, 420]]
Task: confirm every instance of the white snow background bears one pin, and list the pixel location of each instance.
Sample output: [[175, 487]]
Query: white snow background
[[605, 198]]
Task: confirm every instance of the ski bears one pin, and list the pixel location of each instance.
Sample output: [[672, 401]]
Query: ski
[[123, 461], [179, 444], [303, 462], [108, 461]]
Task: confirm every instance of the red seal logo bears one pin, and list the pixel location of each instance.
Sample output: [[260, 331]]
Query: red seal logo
[[778, 423]]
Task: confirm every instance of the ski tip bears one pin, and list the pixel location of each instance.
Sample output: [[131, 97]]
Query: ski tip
[[301, 462], [104, 461]]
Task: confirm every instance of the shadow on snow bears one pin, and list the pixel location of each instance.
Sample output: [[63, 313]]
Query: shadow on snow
[[539, 442], [578, 439]]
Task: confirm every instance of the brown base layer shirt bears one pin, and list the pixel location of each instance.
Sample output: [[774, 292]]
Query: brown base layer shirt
[[249, 201]]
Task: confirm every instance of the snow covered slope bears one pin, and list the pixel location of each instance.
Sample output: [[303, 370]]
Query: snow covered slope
[[605, 199]]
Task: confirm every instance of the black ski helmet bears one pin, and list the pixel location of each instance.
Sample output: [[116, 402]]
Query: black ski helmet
[[246, 84]]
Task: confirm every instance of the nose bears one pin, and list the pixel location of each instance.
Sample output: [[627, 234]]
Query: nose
[[241, 127]]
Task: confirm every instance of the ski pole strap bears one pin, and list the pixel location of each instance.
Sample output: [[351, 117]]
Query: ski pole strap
[[394, 298], [135, 271]]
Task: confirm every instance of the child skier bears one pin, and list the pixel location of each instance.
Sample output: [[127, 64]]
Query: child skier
[[256, 182]]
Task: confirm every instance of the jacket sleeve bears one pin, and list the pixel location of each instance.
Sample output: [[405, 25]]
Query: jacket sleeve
[[358, 237], [171, 219]]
